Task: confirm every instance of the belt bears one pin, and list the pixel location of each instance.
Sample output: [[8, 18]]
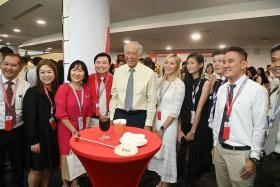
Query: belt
[[237, 148], [131, 111], [275, 156]]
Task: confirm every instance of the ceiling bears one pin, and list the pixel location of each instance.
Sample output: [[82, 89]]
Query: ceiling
[[257, 32]]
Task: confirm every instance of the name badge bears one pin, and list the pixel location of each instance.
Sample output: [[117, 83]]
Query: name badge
[[81, 123], [159, 115], [8, 123], [226, 131], [97, 110], [192, 116], [52, 123]]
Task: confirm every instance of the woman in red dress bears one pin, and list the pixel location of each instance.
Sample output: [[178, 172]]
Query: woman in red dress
[[73, 108]]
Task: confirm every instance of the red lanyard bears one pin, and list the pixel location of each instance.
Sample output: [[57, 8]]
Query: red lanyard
[[52, 106], [229, 103]]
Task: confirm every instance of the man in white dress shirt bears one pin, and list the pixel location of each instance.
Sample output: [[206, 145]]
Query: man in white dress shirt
[[11, 123], [270, 166], [239, 124]]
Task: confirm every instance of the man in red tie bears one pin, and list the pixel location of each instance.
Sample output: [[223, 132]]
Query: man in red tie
[[100, 84], [11, 124]]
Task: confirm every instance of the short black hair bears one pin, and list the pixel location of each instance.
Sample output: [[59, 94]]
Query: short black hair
[[78, 63], [14, 55], [238, 50], [5, 50], [103, 55], [275, 48], [218, 52]]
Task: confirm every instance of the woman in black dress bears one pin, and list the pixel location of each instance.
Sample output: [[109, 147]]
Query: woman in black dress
[[194, 135], [40, 125]]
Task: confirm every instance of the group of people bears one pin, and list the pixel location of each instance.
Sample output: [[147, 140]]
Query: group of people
[[229, 120]]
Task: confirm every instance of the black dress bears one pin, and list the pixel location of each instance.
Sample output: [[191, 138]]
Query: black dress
[[36, 115], [199, 150]]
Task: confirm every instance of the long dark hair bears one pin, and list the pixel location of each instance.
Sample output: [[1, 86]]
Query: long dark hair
[[40, 85], [263, 76]]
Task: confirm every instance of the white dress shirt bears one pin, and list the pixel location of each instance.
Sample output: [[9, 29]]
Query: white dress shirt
[[22, 86], [248, 117]]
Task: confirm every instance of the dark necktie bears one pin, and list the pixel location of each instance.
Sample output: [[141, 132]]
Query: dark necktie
[[129, 92], [10, 111], [225, 117]]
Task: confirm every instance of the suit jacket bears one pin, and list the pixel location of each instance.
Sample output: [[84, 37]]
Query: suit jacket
[[93, 84]]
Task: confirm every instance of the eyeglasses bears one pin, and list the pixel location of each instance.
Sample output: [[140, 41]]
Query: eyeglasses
[[274, 60]]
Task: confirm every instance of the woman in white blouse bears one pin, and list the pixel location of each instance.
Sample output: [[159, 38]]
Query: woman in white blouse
[[170, 96]]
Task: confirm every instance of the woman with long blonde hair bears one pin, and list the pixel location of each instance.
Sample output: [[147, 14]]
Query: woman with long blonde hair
[[170, 96]]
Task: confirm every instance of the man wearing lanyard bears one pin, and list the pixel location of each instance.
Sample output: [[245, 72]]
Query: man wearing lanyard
[[11, 124], [270, 166], [134, 90], [239, 124], [100, 84], [218, 64]]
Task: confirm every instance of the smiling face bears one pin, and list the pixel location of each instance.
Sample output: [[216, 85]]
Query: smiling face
[[234, 66], [218, 64], [77, 74], [46, 75], [11, 67], [275, 63], [193, 66], [132, 54], [102, 65], [170, 66]]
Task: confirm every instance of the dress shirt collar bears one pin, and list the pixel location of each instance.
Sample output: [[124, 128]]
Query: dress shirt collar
[[5, 80], [98, 75], [136, 68], [239, 82]]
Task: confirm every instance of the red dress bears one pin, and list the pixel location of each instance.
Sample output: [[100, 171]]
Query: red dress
[[67, 107]]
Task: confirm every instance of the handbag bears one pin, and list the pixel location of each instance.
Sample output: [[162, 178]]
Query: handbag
[[160, 154], [71, 167]]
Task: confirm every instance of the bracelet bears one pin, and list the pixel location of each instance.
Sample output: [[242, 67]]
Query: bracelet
[[255, 161]]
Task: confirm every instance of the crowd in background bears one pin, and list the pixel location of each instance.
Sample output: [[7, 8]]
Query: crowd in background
[[209, 116]]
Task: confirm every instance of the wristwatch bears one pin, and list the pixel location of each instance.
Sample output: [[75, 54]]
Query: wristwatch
[[254, 160], [162, 128]]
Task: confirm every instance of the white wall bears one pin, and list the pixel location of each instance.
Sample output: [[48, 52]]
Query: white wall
[[258, 57]]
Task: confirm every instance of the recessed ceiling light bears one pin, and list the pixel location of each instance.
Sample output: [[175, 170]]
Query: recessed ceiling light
[[126, 41], [222, 46], [195, 36], [8, 43], [168, 48], [17, 30], [4, 35], [41, 22]]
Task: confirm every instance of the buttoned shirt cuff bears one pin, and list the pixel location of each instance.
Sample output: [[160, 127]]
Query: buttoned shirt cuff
[[255, 155], [148, 123]]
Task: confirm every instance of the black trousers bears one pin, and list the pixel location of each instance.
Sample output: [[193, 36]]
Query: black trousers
[[12, 142], [133, 118], [269, 175]]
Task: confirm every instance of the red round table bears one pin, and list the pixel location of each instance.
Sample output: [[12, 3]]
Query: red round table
[[104, 167]]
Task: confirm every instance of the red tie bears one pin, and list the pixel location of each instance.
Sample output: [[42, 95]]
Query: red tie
[[10, 110]]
